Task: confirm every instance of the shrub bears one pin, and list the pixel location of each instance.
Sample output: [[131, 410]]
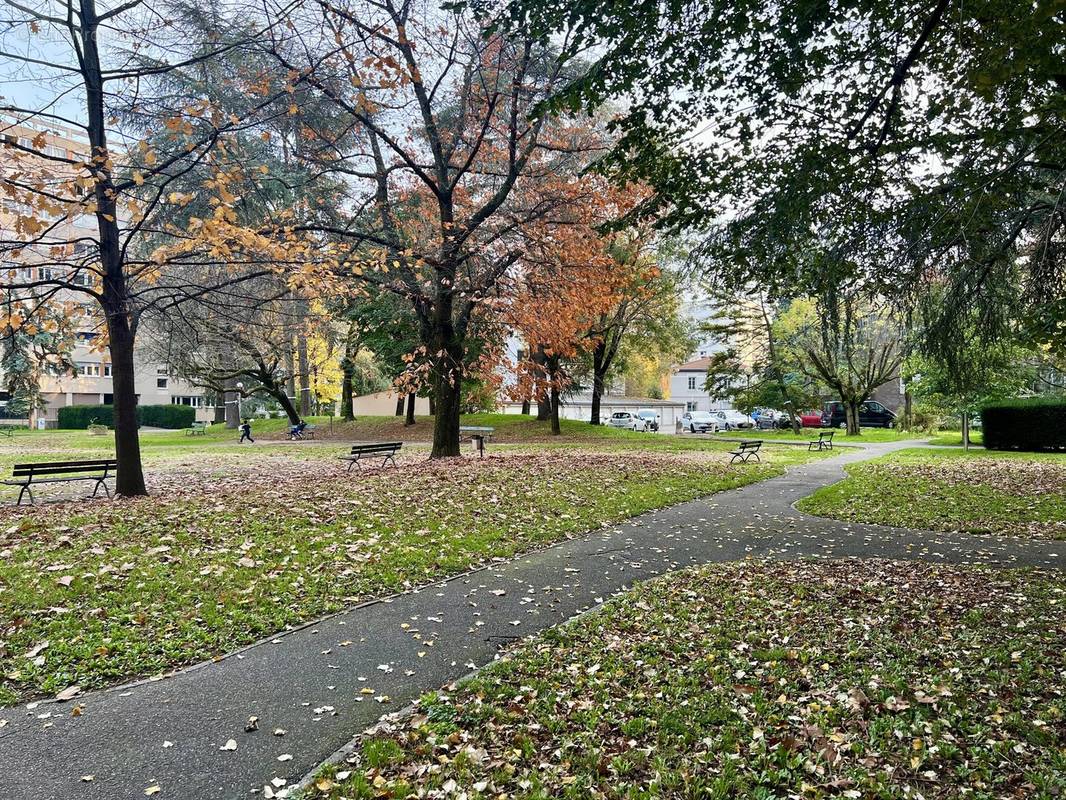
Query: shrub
[[80, 417], [166, 416], [1033, 423], [169, 416]]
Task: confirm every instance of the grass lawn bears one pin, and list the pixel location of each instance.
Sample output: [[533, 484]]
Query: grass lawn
[[756, 680], [1018, 494], [810, 434], [235, 543], [955, 438]]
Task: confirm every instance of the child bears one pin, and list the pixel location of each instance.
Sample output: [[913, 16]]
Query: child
[[246, 432]]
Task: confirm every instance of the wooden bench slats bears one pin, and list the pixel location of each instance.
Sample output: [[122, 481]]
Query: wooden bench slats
[[46, 472], [57, 467], [824, 441], [385, 450], [747, 449]]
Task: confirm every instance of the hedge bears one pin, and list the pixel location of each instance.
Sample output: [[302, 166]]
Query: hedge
[[169, 416], [1033, 423]]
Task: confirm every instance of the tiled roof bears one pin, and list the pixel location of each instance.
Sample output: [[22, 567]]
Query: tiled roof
[[698, 365]]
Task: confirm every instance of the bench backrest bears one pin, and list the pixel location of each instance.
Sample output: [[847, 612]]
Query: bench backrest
[[755, 445], [475, 429], [377, 447], [826, 434], [103, 465]]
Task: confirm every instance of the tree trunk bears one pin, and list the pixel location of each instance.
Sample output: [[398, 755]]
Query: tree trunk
[[446, 422], [232, 402], [851, 414], [965, 429], [544, 409], [129, 481], [556, 428], [432, 405], [400, 400], [279, 394], [290, 365], [347, 406], [525, 407], [599, 375], [410, 410], [305, 375]]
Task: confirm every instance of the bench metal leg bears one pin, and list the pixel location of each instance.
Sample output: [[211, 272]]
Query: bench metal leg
[[352, 462], [101, 482], [25, 490]]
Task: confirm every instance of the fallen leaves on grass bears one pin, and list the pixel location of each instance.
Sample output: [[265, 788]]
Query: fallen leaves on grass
[[856, 679], [214, 560]]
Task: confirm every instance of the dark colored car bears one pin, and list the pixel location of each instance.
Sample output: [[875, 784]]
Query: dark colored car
[[871, 415], [808, 419]]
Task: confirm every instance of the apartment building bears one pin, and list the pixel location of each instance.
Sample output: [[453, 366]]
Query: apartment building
[[90, 381]]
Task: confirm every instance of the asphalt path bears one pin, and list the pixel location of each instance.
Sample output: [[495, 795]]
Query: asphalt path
[[313, 688]]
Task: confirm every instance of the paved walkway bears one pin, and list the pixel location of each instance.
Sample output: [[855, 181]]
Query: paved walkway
[[323, 683]]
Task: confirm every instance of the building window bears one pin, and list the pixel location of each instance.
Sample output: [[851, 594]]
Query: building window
[[107, 370], [161, 383], [692, 383], [88, 370], [185, 400], [690, 405]]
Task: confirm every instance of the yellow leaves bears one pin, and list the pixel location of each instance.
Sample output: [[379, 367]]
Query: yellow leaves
[[138, 178]]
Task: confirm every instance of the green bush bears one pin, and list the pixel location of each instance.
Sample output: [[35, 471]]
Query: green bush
[[166, 416], [80, 417], [1033, 423]]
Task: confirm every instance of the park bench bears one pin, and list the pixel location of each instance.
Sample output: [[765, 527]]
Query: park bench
[[476, 434], [7, 430], [307, 433], [386, 451], [61, 472], [746, 450], [197, 429], [824, 442]]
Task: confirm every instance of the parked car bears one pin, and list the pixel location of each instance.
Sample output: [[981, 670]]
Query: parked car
[[733, 420], [651, 417], [871, 415], [808, 419], [630, 422], [699, 422], [767, 418]]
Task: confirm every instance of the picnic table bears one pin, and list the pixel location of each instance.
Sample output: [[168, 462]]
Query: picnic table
[[26, 475], [476, 434]]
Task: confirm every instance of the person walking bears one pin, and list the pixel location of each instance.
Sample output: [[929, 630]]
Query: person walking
[[246, 432]]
